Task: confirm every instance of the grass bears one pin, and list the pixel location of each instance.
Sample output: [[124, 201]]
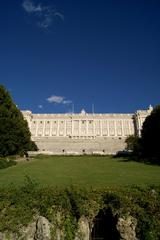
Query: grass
[[82, 171]]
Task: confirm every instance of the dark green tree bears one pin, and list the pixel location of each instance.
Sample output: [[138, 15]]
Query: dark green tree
[[133, 144], [150, 136], [15, 137]]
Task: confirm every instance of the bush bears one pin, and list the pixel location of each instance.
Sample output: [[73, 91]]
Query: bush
[[133, 144], [150, 136], [19, 206], [4, 163]]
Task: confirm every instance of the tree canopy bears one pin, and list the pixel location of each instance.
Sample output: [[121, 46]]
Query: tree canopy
[[148, 145], [150, 135], [132, 144], [15, 137]]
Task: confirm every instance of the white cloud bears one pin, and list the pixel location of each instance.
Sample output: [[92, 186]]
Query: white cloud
[[40, 106], [58, 100], [30, 7], [67, 101], [44, 14], [60, 15], [55, 99], [46, 22]]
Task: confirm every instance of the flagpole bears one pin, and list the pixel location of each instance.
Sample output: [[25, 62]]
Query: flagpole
[[72, 107], [92, 108]]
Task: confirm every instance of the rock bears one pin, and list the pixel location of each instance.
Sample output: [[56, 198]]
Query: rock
[[58, 225], [127, 228], [43, 229], [28, 233], [1, 236], [58, 235], [83, 232], [37, 230], [8, 236]]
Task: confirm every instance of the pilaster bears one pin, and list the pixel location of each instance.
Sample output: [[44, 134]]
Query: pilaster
[[43, 129]]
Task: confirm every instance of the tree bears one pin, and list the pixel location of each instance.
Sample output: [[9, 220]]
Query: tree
[[15, 137], [150, 136], [133, 144]]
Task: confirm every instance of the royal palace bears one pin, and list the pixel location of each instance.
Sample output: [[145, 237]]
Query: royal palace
[[84, 133]]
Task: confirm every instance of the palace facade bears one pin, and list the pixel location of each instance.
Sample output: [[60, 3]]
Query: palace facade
[[84, 133]]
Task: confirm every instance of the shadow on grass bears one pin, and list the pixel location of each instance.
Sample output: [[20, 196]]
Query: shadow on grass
[[134, 158]]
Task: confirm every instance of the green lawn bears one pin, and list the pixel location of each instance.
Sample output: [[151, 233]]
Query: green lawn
[[95, 171]]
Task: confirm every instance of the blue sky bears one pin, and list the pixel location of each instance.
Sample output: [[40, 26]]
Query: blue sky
[[57, 53]]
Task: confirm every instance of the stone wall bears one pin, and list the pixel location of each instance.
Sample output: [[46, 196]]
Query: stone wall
[[80, 146]]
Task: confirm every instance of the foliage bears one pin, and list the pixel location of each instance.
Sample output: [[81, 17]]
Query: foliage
[[18, 206], [150, 136], [15, 135], [146, 208], [5, 163], [147, 147], [133, 144]]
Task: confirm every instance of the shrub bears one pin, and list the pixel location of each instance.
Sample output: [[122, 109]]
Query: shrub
[[19, 206], [4, 163]]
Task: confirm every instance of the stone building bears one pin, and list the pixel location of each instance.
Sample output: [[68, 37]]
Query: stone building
[[84, 133]]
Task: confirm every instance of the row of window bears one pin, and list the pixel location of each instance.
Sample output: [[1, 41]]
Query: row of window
[[91, 134], [97, 129], [48, 122]]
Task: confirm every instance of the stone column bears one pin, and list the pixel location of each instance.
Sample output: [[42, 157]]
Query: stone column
[[108, 128], [43, 129], [50, 130], [87, 127], [139, 126], [57, 127], [115, 128], [100, 128], [122, 128], [65, 128], [129, 124], [93, 128], [36, 133], [79, 128], [72, 122]]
